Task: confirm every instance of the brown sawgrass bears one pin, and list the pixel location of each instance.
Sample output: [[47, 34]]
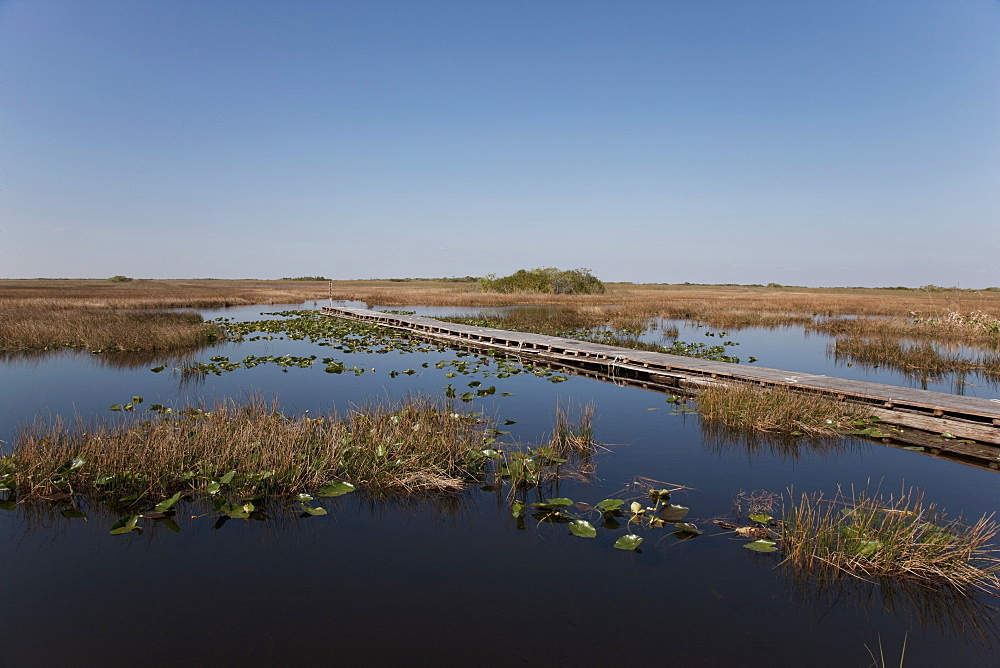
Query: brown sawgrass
[[948, 328], [913, 358], [25, 326], [776, 409], [574, 430], [622, 306], [419, 445], [864, 535]]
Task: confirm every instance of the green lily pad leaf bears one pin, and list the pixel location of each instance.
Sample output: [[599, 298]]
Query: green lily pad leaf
[[338, 488], [687, 528], [762, 545], [628, 542], [561, 501], [763, 518], [312, 511], [71, 465], [236, 511], [164, 506], [582, 528], [73, 513], [609, 505], [865, 548], [213, 487], [169, 523], [305, 497], [8, 504], [126, 524], [672, 512], [228, 478], [517, 509]]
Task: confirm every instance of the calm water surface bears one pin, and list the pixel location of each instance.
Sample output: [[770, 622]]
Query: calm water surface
[[454, 581]]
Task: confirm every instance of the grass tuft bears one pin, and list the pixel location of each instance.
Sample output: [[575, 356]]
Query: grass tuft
[[573, 436], [863, 535], [776, 409]]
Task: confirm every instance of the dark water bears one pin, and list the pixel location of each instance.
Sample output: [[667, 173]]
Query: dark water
[[454, 581]]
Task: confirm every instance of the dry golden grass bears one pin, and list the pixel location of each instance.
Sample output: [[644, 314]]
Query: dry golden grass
[[776, 409], [866, 536], [160, 294], [975, 329], [416, 446], [109, 316], [27, 326], [919, 358], [729, 307], [623, 305]]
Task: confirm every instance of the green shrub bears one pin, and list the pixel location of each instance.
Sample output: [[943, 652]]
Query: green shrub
[[120, 279], [546, 280]]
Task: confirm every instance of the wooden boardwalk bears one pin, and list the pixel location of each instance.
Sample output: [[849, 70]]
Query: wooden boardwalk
[[933, 413]]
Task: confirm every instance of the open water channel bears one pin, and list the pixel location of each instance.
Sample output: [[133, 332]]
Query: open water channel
[[457, 580]]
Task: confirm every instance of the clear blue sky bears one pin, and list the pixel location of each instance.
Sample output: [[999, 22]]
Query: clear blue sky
[[805, 143]]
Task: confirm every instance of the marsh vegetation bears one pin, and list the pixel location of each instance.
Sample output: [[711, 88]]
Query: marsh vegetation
[[778, 409], [866, 535], [465, 466], [251, 448]]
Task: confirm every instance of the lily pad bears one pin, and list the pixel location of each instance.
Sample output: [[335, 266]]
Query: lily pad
[[609, 505], [582, 528], [687, 530], [628, 542], [672, 512], [126, 524], [312, 511], [335, 489], [167, 504], [762, 545], [517, 509]]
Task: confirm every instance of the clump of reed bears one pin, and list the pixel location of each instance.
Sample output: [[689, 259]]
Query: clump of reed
[[863, 535], [776, 409], [976, 328], [974, 321], [30, 326], [573, 434], [416, 446], [912, 359]]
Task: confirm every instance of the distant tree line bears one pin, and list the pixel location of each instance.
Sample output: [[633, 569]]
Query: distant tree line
[[545, 280]]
